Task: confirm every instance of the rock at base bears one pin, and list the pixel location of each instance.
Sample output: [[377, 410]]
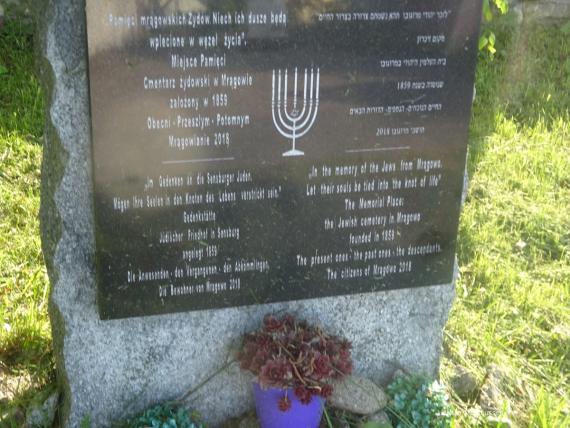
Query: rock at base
[[491, 399], [464, 383], [42, 416], [358, 395]]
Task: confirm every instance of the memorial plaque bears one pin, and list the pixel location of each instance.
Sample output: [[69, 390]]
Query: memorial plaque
[[248, 151]]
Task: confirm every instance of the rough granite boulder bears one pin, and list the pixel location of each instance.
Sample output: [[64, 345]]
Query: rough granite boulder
[[42, 415], [464, 383], [358, 395], [111, 369], [491, 397]]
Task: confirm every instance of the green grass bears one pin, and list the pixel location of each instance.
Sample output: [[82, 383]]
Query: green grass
[[25, 344], [514, 249], [513, 306]]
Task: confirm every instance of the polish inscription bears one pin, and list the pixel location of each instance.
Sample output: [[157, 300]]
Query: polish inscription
[[257, 153]]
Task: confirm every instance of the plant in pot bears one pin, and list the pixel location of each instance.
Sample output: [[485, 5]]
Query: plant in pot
[[294, 364]]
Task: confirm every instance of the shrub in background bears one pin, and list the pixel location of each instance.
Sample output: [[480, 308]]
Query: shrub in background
[[487, 38]]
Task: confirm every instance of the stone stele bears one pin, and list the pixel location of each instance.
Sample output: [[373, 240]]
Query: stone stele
[[108, 370]]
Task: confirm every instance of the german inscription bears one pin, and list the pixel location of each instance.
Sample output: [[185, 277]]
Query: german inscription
[[258, 151]]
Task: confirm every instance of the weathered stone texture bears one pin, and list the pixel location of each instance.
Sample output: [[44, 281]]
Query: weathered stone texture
[[358, 395], [109, 369]]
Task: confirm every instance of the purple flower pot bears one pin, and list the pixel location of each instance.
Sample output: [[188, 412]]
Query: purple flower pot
[[298, 416]]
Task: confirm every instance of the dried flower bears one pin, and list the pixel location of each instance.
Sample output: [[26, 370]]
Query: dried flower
[[343, 367], [323, 367], [303, 394], [272, 324], [326, 390], [275, 372], [290, 353], [284, 403]]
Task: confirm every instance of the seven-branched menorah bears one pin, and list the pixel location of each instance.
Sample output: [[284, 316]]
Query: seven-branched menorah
[[294, 125]]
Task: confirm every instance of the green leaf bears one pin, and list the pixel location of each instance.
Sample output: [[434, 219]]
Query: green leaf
[[483, 41], [487, 13], [3, 70], [502, 5]]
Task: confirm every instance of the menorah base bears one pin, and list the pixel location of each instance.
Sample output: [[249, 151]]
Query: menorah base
[[294, 152]]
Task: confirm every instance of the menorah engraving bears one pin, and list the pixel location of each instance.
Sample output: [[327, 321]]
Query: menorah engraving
[[294, 124]]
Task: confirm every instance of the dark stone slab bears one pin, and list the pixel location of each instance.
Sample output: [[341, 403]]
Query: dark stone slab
[[253, 152]]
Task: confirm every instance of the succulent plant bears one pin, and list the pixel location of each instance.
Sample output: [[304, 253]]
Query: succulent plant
[[164, 416], [419, 402], [290, 353]]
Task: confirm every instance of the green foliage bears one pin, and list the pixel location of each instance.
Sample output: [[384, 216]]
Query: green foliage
[[490, 9], [502, 6], [21, 100], [549, 412], [487, 42], [514, 242], [85, 422], [373, 424], [419, 402], [165, 415], [26, 363]]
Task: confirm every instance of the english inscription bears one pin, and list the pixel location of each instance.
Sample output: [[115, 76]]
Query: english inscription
[[251, 152]]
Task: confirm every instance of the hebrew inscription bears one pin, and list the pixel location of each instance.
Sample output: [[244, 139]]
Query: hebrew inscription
[[257, 151]]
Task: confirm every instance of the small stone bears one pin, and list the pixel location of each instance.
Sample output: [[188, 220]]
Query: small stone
[[496, 373], [491, 398], [42, 416], [463, 383], [380, 418], [358, 395]]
